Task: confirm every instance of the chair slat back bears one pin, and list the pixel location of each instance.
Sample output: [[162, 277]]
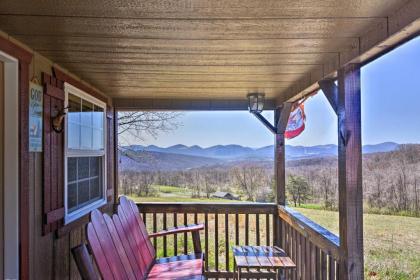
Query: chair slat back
[[129, 244], [134, 225], [98, 253]]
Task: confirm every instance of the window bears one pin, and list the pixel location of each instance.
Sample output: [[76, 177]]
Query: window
[[85, 156]]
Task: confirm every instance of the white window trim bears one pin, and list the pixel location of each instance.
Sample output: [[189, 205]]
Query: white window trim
[[70, 217]]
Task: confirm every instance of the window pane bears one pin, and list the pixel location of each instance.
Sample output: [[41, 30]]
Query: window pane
[[73, 136], [85, 183], [83, 167], [98, 139], [72, 169], [98, 118], [74, 108], [94, 166], [83, 191], [87, 109], [72, 196], [86, 138], [95, 188]]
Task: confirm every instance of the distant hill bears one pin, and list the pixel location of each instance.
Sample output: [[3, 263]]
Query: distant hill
[[179, 157], [239, 152], [153, 161]]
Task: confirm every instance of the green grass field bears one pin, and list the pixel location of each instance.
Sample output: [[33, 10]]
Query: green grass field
[[392, 243]]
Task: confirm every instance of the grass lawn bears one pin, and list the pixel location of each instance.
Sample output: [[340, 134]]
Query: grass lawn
[[392, 243]]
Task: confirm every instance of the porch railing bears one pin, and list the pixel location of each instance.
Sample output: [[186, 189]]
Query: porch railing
[[313, 248]]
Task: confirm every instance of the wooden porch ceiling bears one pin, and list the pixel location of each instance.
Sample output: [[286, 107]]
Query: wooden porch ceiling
[[203, 49]]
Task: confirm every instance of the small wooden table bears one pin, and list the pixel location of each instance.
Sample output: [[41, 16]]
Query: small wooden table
[[261, 257]]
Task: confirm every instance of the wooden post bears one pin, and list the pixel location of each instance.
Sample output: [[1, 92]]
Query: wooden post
[[281, 117], [350, 173], [116, 161]]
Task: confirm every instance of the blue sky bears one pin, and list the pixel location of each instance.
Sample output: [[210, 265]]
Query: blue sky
[[390, 111]]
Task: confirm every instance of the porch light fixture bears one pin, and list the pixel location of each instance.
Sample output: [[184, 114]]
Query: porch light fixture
[[256, 102]]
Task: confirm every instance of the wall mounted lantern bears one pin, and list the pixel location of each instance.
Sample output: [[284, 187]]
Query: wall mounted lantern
[[256, 102]]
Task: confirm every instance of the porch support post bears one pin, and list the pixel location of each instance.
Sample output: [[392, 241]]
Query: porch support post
[[350, 173], [281, 116]]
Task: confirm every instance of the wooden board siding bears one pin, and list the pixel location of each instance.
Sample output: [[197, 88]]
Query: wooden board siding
[[48, 257], [1, 163]]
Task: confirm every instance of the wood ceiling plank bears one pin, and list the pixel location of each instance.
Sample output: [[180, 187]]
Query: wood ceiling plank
[[203, 8], [127, 45], [190, 77], [189, 59], [171, 69], [190, 84], [180, 93], [245, 29]]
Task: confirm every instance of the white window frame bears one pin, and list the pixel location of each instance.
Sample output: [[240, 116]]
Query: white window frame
[[76, 214]]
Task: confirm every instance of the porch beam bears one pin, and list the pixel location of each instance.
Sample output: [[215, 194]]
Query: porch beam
[[265, 122], [350, 173], [138, 104], [330, 90]]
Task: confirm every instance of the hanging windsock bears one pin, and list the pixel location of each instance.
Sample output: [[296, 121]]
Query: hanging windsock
[[296, 123]]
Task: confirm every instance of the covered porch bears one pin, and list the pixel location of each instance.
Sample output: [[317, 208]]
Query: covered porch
[[189, 56]]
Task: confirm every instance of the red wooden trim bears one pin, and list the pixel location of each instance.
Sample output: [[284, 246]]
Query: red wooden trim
[[53, 91], [54, 215], [16, 51], [60, 75], [25, 58], [177, 230], [23, 165]]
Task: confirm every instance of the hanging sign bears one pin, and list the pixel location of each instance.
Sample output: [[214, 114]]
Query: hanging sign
[[296, 123], [35, 117]]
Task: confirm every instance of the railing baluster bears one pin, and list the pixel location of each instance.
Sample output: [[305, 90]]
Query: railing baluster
[[267, 229], [216, 241], [155, 230], [317, 263], [185, 235], [206, 239], [236, 229], [302, 256], [175, 235], [323, 266], [313, 262], [257, 229], [296, 252], [331, 265], [165, 249], [308, 259], [227, 249], [246, 229]]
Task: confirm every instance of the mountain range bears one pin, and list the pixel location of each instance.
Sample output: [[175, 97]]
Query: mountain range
[[177, 157]]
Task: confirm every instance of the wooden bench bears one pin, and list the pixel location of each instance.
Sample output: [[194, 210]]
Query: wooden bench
[[121, 249]]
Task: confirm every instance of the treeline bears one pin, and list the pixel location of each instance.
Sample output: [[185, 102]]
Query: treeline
[[251, 181], [391, 181]]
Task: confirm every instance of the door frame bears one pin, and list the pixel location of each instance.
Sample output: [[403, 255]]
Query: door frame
[[11, 169], [24, 57]]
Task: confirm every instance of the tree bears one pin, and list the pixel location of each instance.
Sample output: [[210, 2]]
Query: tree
[[298, 189], [139, 124]]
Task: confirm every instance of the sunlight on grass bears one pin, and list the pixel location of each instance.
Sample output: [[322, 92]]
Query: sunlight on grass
[[391, 243]]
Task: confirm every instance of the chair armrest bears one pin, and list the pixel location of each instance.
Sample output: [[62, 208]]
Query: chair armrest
[[176, 230], [194, 229]]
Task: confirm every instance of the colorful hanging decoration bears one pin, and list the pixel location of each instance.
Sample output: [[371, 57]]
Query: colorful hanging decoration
[[296, 123]]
